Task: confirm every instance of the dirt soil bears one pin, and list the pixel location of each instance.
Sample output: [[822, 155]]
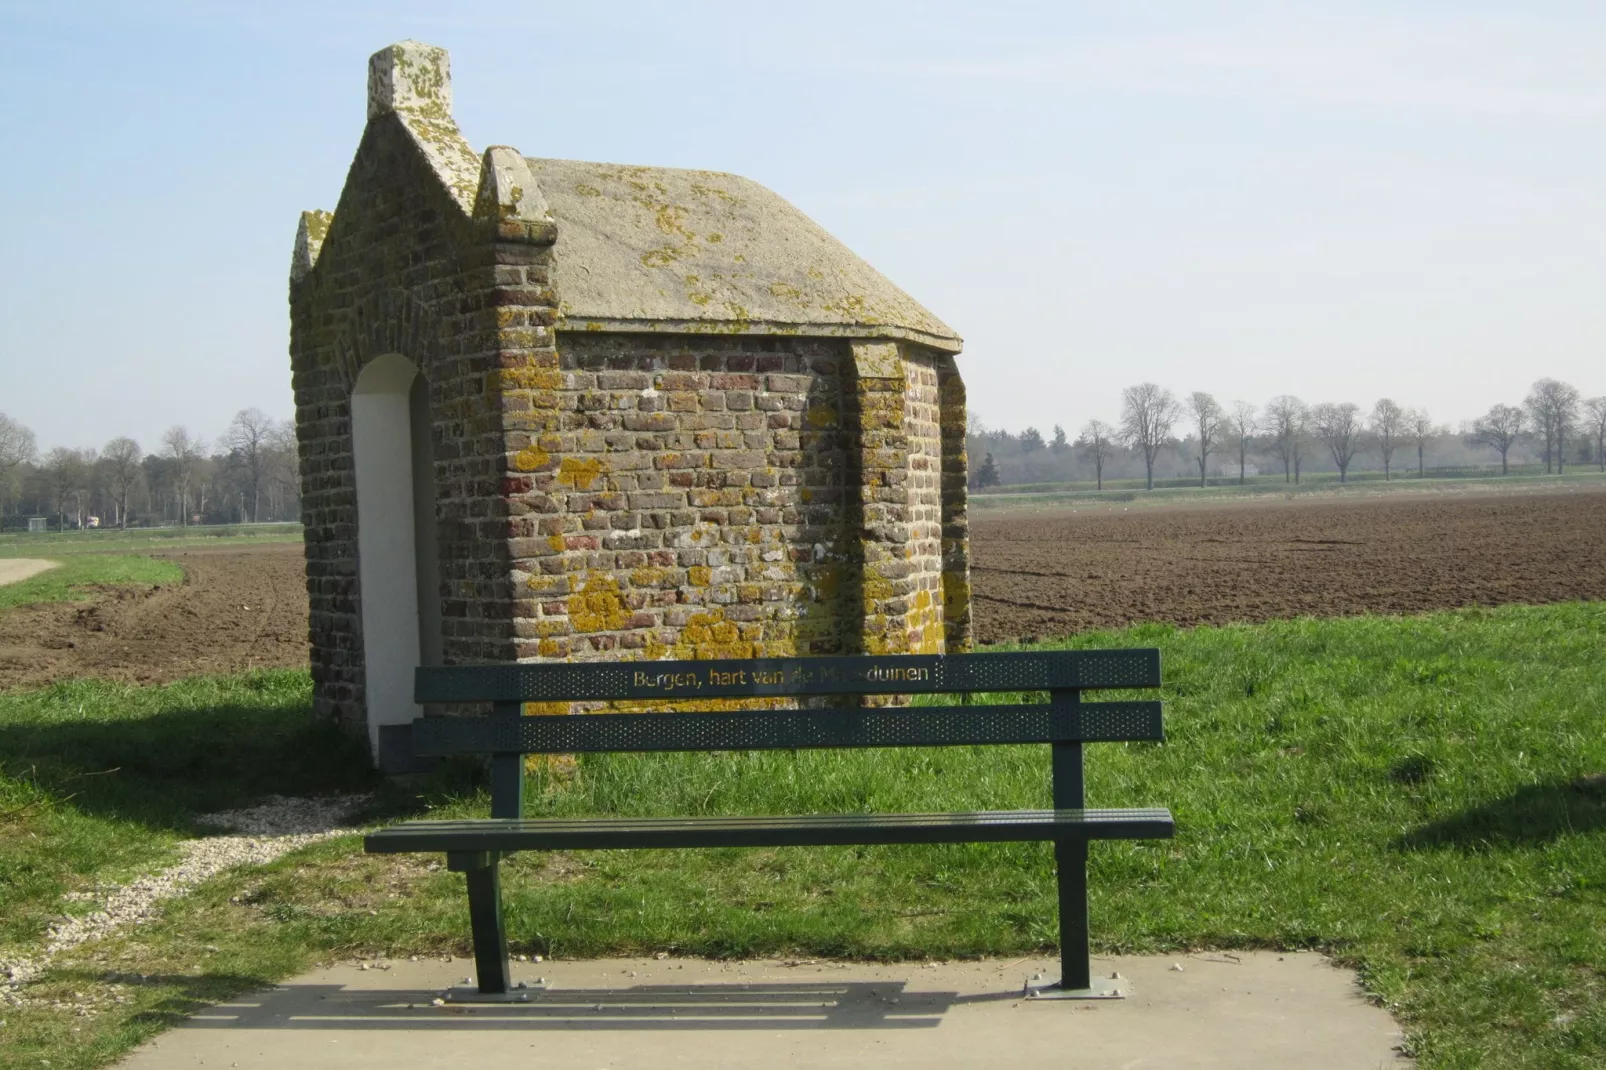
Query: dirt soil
[[1035, 574], [1044, 574], [240, 607]]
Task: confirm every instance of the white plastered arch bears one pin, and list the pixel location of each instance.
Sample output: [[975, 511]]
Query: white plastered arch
[[397, 560]]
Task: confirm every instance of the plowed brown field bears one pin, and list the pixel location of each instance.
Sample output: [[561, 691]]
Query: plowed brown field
[[239, 607], [1044, 574], [1035, 574]]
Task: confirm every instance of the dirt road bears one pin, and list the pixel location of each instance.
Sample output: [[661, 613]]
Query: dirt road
[[17, 569]]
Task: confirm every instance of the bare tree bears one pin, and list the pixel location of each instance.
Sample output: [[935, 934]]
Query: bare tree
[[121, 458], [1388, 423], [64, 472], [1243, 425], [284, 468], [17, 447], [1419, 428], [1286, 419], [1595, 419], [1501, 428], [1338, 425], [1208, 422], [1553, 407], [1147, 413], [248, 442], [17, 444], [1097, 440], [186, 454]]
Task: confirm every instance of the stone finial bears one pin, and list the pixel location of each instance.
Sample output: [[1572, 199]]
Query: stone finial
[[413, 82], [508, 194], [410, 76], [310, 233]]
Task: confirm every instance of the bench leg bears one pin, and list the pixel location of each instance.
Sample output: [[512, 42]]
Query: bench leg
[[1070, 860], [483, 871], [1070, 867], [1076, 966]]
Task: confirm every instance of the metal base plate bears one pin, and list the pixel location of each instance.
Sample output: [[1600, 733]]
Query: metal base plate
[[519, 993], [1102, 988]]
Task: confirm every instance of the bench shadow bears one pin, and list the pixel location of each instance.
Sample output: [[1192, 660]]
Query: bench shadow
[[806, 1005], [1535, 814]]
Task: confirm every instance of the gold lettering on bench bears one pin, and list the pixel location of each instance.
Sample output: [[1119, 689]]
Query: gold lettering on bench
[[668, 681], [792, 677]]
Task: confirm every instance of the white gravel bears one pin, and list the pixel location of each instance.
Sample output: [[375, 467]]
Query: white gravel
[[259, 835]]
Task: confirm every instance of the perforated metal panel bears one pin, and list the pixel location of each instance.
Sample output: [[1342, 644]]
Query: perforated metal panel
[[898, 674], [513, 834], [925, 726]]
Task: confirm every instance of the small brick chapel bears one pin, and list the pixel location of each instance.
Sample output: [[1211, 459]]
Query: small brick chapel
[[554, 409]]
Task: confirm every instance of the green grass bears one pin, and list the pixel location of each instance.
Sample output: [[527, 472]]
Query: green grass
[[114, 540], [97, 780], [68, 580], [1412, 795]]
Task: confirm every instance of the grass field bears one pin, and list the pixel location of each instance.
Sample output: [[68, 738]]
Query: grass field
[[68, 581], [1418, 796], [113, 540]]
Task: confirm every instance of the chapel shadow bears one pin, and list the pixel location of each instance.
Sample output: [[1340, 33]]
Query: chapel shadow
[[161, 770], [1531, 815]]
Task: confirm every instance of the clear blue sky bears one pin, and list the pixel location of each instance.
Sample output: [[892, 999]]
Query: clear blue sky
[[1334, 200]]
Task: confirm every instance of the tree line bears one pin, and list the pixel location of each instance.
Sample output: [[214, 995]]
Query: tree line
[[1554, 425], [248, 475]]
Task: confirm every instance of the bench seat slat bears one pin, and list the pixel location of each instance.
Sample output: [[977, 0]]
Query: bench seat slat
[[862, 675], [907, 726], [809, 830]]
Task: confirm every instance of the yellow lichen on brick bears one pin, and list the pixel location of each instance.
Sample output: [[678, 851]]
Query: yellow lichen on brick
[[580, 472], [597, 607], [502, 380], [710, 635], [926, 621], [531, 459], [699, 575]]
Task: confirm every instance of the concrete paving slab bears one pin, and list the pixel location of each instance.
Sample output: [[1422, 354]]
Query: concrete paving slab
[[1246, 1011], [17, 569]]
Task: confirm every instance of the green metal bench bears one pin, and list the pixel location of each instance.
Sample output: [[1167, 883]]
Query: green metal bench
[[474, 847]]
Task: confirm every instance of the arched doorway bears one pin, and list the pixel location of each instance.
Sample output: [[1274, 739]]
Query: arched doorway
[[398, 564]]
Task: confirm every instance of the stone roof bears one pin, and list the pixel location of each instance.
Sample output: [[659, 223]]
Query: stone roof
[[664, 249]]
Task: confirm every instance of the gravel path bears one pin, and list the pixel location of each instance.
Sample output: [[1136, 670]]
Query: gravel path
[[17, 569], [259, 835]]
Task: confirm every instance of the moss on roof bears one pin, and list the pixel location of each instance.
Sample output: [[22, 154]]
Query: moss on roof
[[662, 249]]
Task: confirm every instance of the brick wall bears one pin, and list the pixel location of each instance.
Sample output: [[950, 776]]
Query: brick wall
[[681, 497]]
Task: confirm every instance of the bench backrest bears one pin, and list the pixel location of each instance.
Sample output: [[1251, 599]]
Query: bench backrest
[[1065, 674], [1064, 721]]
